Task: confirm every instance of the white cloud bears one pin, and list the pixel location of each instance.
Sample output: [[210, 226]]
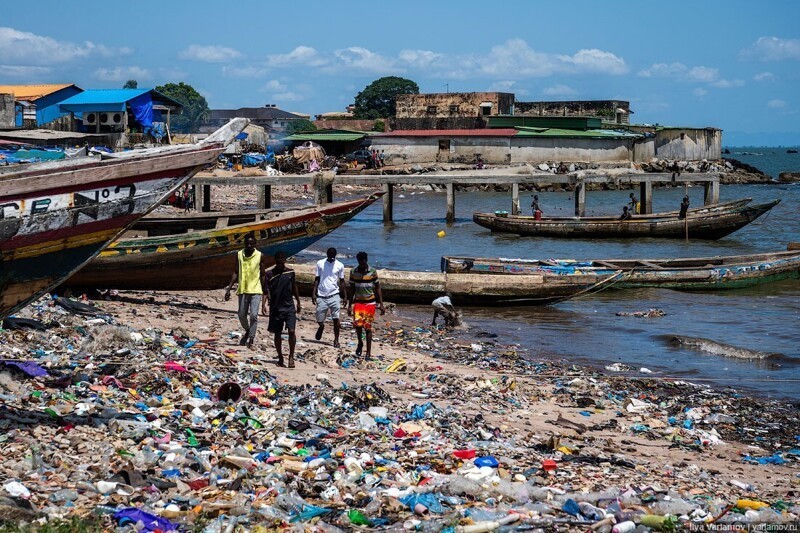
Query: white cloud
[[364, 60], [727, 84], [559, 90], [300, 56], [288, 97], [23, 71], [208, 54], [22, 46], [680, 72], [764, 76], [516, 59], [776, 104], [249, 71], [699, 91], [772, 49], [511, 60], [274, 85], [122, 73], [421, 59]]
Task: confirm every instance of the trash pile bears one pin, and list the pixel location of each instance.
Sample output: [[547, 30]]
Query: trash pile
[[159, 431]]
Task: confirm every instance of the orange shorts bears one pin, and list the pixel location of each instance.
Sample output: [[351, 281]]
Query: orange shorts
[[363, 314]]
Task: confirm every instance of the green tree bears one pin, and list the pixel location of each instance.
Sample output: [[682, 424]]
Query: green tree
[[378, 99], [295, 126], [195, 107], [131, 84], [379, 125]]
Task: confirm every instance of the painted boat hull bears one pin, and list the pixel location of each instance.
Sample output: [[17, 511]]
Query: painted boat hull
[[204, 260], [472, 289], [703, 225], [54, 217], [701, 273]]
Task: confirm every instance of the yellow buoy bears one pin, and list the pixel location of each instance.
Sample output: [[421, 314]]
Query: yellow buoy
[[441, 233]]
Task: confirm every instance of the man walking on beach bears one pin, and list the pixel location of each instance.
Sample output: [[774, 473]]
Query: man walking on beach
[[327, 293], [249, 272], [282, 311], [364, 288]]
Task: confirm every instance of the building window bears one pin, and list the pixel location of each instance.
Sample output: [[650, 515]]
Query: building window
[[683, 136], [444, 145], [454, 109], [486, 110], [431, 110]]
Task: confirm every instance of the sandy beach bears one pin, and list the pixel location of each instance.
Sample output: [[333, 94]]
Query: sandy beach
[[558, 432]]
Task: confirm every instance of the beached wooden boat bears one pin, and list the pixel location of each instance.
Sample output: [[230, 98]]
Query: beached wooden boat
[[690, 273], [198, 252], [699, 224], [474, 289], [54, 217]]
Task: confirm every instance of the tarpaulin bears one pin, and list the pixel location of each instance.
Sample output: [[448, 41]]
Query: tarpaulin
[[142, 107]]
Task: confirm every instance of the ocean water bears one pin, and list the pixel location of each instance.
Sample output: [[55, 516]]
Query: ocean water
[[768, 159], [587, 330]]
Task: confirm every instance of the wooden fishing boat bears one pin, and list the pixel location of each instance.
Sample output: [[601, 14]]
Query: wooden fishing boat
[[690, 273], [56, 216], [474, 289], [701, 224], [198, 252]]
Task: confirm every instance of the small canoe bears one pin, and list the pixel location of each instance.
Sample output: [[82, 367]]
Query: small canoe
[[702, 224], [199, 252], [475, 289], [56, 216], [690, 273]]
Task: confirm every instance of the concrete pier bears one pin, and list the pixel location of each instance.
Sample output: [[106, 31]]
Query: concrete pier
[[322, 184]]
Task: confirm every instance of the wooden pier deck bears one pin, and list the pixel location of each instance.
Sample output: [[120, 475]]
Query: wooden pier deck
[[322, 184]]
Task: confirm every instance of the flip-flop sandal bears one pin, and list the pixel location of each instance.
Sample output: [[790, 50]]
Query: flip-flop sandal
[[358, 351], [291, 363], [397, 366], [318, 334]]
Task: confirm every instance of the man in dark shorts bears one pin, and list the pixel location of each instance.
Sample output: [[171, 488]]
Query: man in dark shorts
[[282, 311], [684, 208]]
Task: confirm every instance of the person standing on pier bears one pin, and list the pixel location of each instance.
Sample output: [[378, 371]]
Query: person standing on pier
[[684, 208], [535, 207], [635, 206], [282, 311], [364, 291], [327, 293], [249, 272]]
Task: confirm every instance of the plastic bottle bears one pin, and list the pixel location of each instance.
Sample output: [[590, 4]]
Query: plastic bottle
[[624, 527]]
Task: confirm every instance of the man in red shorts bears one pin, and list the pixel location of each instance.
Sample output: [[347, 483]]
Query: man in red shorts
[[364, 292]]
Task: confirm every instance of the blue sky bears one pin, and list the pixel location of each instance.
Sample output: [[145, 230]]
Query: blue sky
[[728, 64]]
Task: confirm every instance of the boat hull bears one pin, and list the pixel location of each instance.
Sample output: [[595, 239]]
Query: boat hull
[[698, 274], [54, 217], [204, 260], [702, 225], [473, 289]]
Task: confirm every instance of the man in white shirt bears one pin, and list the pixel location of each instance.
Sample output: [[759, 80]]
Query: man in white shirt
[[443, 306], [328, 293]]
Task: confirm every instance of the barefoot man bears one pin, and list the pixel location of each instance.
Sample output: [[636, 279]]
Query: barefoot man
[[282, 311], [248, 271], [364, 289]]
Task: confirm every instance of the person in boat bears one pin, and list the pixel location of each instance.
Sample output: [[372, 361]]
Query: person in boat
[[282, 311], [328, 292], [249, 271], [365, 291], [635, 206], [535, 205], [684, 208], [444, 306], [626, 214]]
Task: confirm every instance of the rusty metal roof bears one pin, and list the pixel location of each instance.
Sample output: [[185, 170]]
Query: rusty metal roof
[[33, 92]]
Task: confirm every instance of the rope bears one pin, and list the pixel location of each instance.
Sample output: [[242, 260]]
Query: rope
[[614, 277]]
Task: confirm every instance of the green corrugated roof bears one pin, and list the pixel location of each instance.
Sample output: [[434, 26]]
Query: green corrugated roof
[[587, 134], [327, 135]]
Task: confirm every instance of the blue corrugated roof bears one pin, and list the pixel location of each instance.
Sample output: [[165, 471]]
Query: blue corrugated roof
[[104, 96]]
